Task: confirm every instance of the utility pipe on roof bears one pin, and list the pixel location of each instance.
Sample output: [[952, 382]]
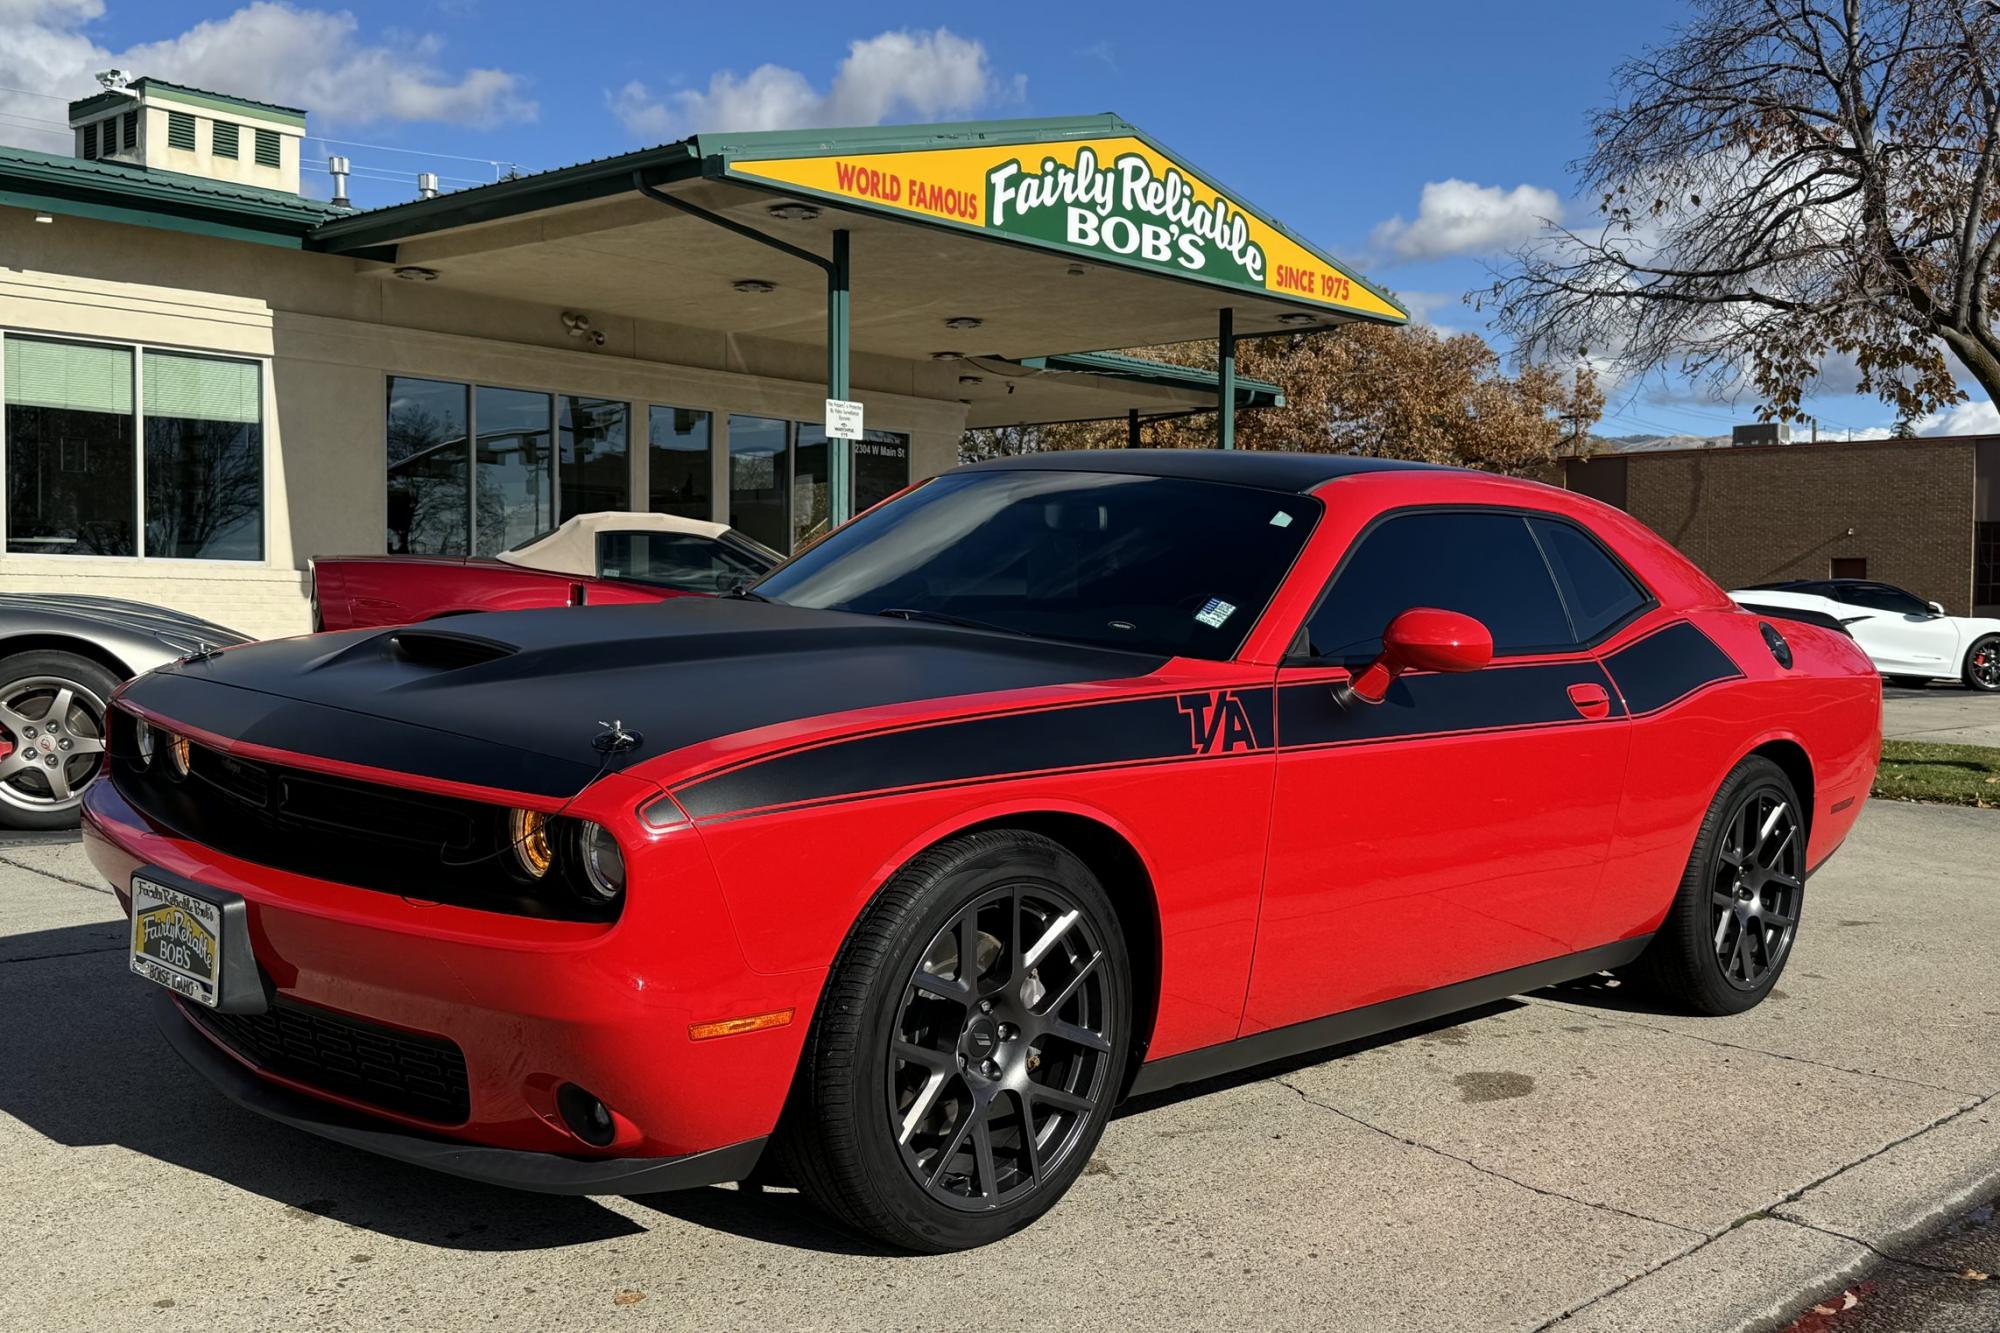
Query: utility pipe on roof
[[840, 452]]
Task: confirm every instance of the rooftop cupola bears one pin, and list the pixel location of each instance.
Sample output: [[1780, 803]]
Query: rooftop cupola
[[170, 127]]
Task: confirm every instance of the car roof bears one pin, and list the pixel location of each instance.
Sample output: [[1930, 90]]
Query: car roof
[[572, 547], [1243, 467]]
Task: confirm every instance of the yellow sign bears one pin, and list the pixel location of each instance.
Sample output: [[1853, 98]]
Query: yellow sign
[[1113, 198]]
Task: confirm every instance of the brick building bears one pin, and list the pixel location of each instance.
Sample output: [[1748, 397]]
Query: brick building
[[1920, 513]]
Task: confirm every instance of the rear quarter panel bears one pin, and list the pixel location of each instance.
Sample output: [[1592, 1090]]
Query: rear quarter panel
[[1828, 703]]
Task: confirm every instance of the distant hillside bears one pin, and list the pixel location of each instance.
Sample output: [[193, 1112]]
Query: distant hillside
[[1644, 444]]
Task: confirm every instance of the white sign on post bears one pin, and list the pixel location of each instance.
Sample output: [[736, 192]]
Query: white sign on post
[[843, 419]]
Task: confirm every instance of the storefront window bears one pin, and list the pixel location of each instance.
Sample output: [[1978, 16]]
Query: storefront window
[[810, 518], [515, 483], [429, 510], [79, 440], [204, 458], [71, 470], [760, 479], [678, 475], [881, 467], [596, 462]]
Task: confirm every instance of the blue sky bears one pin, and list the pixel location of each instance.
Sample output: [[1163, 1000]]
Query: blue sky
[[1414, 140]]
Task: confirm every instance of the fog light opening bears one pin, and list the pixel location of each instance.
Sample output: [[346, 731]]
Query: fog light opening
[[587, 1117]]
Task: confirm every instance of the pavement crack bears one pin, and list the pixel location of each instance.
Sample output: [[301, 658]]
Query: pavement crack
[[1601, 1017], [1872, 1248], [1482, 1169], [65, 953], [60, 879]]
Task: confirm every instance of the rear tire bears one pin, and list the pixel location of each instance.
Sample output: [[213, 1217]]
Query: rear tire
[[940, 1106], [52, 707], [1729, 932], [1982, 664]]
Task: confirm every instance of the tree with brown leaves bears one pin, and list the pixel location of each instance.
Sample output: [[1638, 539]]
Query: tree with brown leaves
[[1783, 181], [1363, 389]]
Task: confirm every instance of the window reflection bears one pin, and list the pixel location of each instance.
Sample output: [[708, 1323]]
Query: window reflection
[[71, 473], [428, 502], [514, 476], [204, 458], [678, 480], [596, 463], [760, 480]]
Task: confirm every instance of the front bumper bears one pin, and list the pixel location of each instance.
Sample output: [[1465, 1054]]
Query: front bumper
[[543, 1172]]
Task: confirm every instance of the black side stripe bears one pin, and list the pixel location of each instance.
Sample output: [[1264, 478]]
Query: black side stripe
[[1126, 731], [1665, 667], [1498, 698]]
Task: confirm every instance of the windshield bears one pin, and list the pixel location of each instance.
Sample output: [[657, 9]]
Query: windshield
[[1148, 564]]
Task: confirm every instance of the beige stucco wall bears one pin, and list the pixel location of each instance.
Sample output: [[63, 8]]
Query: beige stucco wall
[[331, 330]]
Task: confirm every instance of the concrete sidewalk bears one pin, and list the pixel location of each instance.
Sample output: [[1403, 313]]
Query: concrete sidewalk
[[1948, 715], [1568, 1159]]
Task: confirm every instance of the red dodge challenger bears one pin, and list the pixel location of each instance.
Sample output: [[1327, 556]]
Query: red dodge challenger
[[1053, 780], [591, 560]]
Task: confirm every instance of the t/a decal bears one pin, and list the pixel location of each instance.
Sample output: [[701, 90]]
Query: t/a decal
[[1217, 722]]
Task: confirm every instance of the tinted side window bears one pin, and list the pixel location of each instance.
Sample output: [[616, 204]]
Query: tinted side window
[[1881, 597], [1485, 565], [1598, 592], [674, 560]]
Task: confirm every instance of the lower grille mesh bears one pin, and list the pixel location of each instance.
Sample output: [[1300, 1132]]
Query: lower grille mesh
[[421, 1077]]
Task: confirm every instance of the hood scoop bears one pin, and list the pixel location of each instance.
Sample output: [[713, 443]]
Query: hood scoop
[[446, 650]]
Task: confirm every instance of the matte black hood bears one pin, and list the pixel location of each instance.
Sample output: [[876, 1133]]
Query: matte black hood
[[514, 700]]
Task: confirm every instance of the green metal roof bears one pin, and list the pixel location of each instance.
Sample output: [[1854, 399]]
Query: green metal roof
[[180, 92], [1166, 375], [172, 200]]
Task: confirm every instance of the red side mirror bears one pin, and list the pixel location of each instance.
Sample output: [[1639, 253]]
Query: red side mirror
[[1424, 639]]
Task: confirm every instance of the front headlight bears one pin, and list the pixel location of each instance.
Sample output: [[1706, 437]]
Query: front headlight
[[603, 862], [529, 830], [145, 739], [179, 756]]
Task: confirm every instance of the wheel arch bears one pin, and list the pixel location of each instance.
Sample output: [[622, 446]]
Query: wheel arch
[[55, 641], [1792, 758], [1111, 854]]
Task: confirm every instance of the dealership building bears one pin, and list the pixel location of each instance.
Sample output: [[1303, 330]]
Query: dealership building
[[1920, 513], [210, 379]]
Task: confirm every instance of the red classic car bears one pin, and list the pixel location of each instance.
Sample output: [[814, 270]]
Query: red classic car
[[1055, 779], [593, 560]]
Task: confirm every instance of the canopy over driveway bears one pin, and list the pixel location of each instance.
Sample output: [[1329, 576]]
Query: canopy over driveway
[[933, 260]]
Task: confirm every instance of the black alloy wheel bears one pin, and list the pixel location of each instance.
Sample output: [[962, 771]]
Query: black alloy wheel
[[1757, 887], [965, 1055], [1000, 1055], [1982, 664], [1735, 917]]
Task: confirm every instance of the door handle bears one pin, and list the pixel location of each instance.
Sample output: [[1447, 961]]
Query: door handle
[[1593, 701]]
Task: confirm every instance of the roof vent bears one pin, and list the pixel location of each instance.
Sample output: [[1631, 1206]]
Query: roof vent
[[169, 127]]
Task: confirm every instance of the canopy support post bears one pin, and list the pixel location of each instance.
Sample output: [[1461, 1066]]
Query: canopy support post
[[840, 452], [1131, 428], [1225, 391]]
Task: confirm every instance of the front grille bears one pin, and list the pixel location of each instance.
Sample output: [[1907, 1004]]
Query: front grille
[[365, 834], [417, 1076]]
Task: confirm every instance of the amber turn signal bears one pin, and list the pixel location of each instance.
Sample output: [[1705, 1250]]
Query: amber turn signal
[[729, 1027]]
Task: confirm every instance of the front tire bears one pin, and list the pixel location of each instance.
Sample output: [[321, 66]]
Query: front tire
[[1982, 664], [1729, 933], [967, 1051], [52, 707]]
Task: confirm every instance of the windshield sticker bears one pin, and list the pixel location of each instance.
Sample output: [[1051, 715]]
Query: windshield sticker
[[1281, 519], [1214, 613]]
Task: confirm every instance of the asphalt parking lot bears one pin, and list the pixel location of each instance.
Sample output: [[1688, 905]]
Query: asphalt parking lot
[[1945, 714], [1570, 1157]]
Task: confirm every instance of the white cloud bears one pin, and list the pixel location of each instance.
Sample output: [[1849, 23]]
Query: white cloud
[[1977, 417], [892, 76], [277, 52], [1456, 217]]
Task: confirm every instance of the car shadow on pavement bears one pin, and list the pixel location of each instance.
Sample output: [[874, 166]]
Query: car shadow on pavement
[[1602, 990], [84, 1066]]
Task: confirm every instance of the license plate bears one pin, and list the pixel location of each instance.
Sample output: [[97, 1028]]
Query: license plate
[[177, 940]]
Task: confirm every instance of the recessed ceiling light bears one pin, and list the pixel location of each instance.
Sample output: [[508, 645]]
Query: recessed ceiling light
[[754, 286], [44, 217], [947, 356], [1077, 270], [963, 322], [972, 379], [794, 212], [1296, 320], [411, 273]]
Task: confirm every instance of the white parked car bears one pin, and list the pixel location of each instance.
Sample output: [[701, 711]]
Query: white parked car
[[1911, 641]]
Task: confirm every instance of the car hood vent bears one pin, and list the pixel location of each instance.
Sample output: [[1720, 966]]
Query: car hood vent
[[447, 650]]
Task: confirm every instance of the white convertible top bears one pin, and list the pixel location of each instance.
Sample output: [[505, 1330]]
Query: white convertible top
[[572, 548]]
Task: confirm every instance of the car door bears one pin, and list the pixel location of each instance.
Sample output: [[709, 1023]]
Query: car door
[[1459, 827], [1901, 633]]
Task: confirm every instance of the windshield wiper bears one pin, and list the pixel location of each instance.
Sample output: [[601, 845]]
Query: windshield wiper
[[945, 618]]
